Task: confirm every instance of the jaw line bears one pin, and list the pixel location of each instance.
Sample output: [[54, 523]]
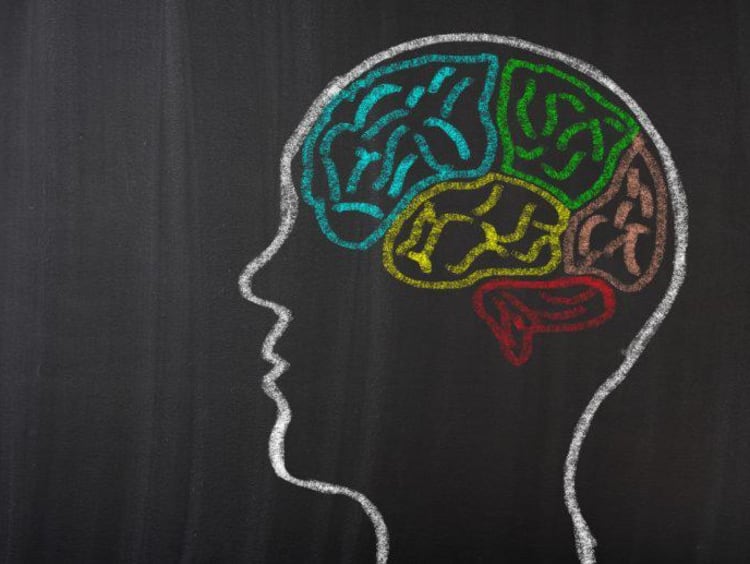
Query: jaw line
[[584, 540]]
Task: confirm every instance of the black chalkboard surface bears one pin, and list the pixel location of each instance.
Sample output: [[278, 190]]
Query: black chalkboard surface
[[151, 152]]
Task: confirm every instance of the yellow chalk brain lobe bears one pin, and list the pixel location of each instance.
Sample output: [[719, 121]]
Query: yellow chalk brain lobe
[[456, 233]]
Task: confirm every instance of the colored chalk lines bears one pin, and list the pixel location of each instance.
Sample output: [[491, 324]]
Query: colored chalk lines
[[471, 169], [547, 189]]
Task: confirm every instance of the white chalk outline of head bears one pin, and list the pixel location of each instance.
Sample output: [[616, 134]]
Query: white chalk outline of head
[[584, 540]]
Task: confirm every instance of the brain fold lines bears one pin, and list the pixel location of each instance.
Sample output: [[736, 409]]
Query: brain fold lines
[[485, 167], [451, 236], [398, 130]]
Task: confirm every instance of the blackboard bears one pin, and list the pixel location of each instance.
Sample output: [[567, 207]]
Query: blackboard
[[141, 145]]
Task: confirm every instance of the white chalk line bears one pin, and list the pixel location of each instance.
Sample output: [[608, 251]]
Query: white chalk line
[[289, 209], [584, 540]]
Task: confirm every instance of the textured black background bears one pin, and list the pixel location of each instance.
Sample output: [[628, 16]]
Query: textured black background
[[139, 149]]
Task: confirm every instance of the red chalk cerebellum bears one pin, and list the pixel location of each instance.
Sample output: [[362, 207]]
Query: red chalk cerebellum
[[516, 310], [561, 186]]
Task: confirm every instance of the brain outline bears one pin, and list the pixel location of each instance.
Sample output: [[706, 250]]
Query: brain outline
[[605, 156]]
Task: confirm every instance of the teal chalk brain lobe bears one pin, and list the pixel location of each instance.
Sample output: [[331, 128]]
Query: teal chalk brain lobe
[[396, 131]]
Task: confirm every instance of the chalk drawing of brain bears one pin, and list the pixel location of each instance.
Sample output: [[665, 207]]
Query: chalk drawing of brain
[[484, 162], [492, 169]]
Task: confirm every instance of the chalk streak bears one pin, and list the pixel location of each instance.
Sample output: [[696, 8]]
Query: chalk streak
[[585, 541]]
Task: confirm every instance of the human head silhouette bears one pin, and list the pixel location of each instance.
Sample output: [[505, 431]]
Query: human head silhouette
[[489, 165]]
